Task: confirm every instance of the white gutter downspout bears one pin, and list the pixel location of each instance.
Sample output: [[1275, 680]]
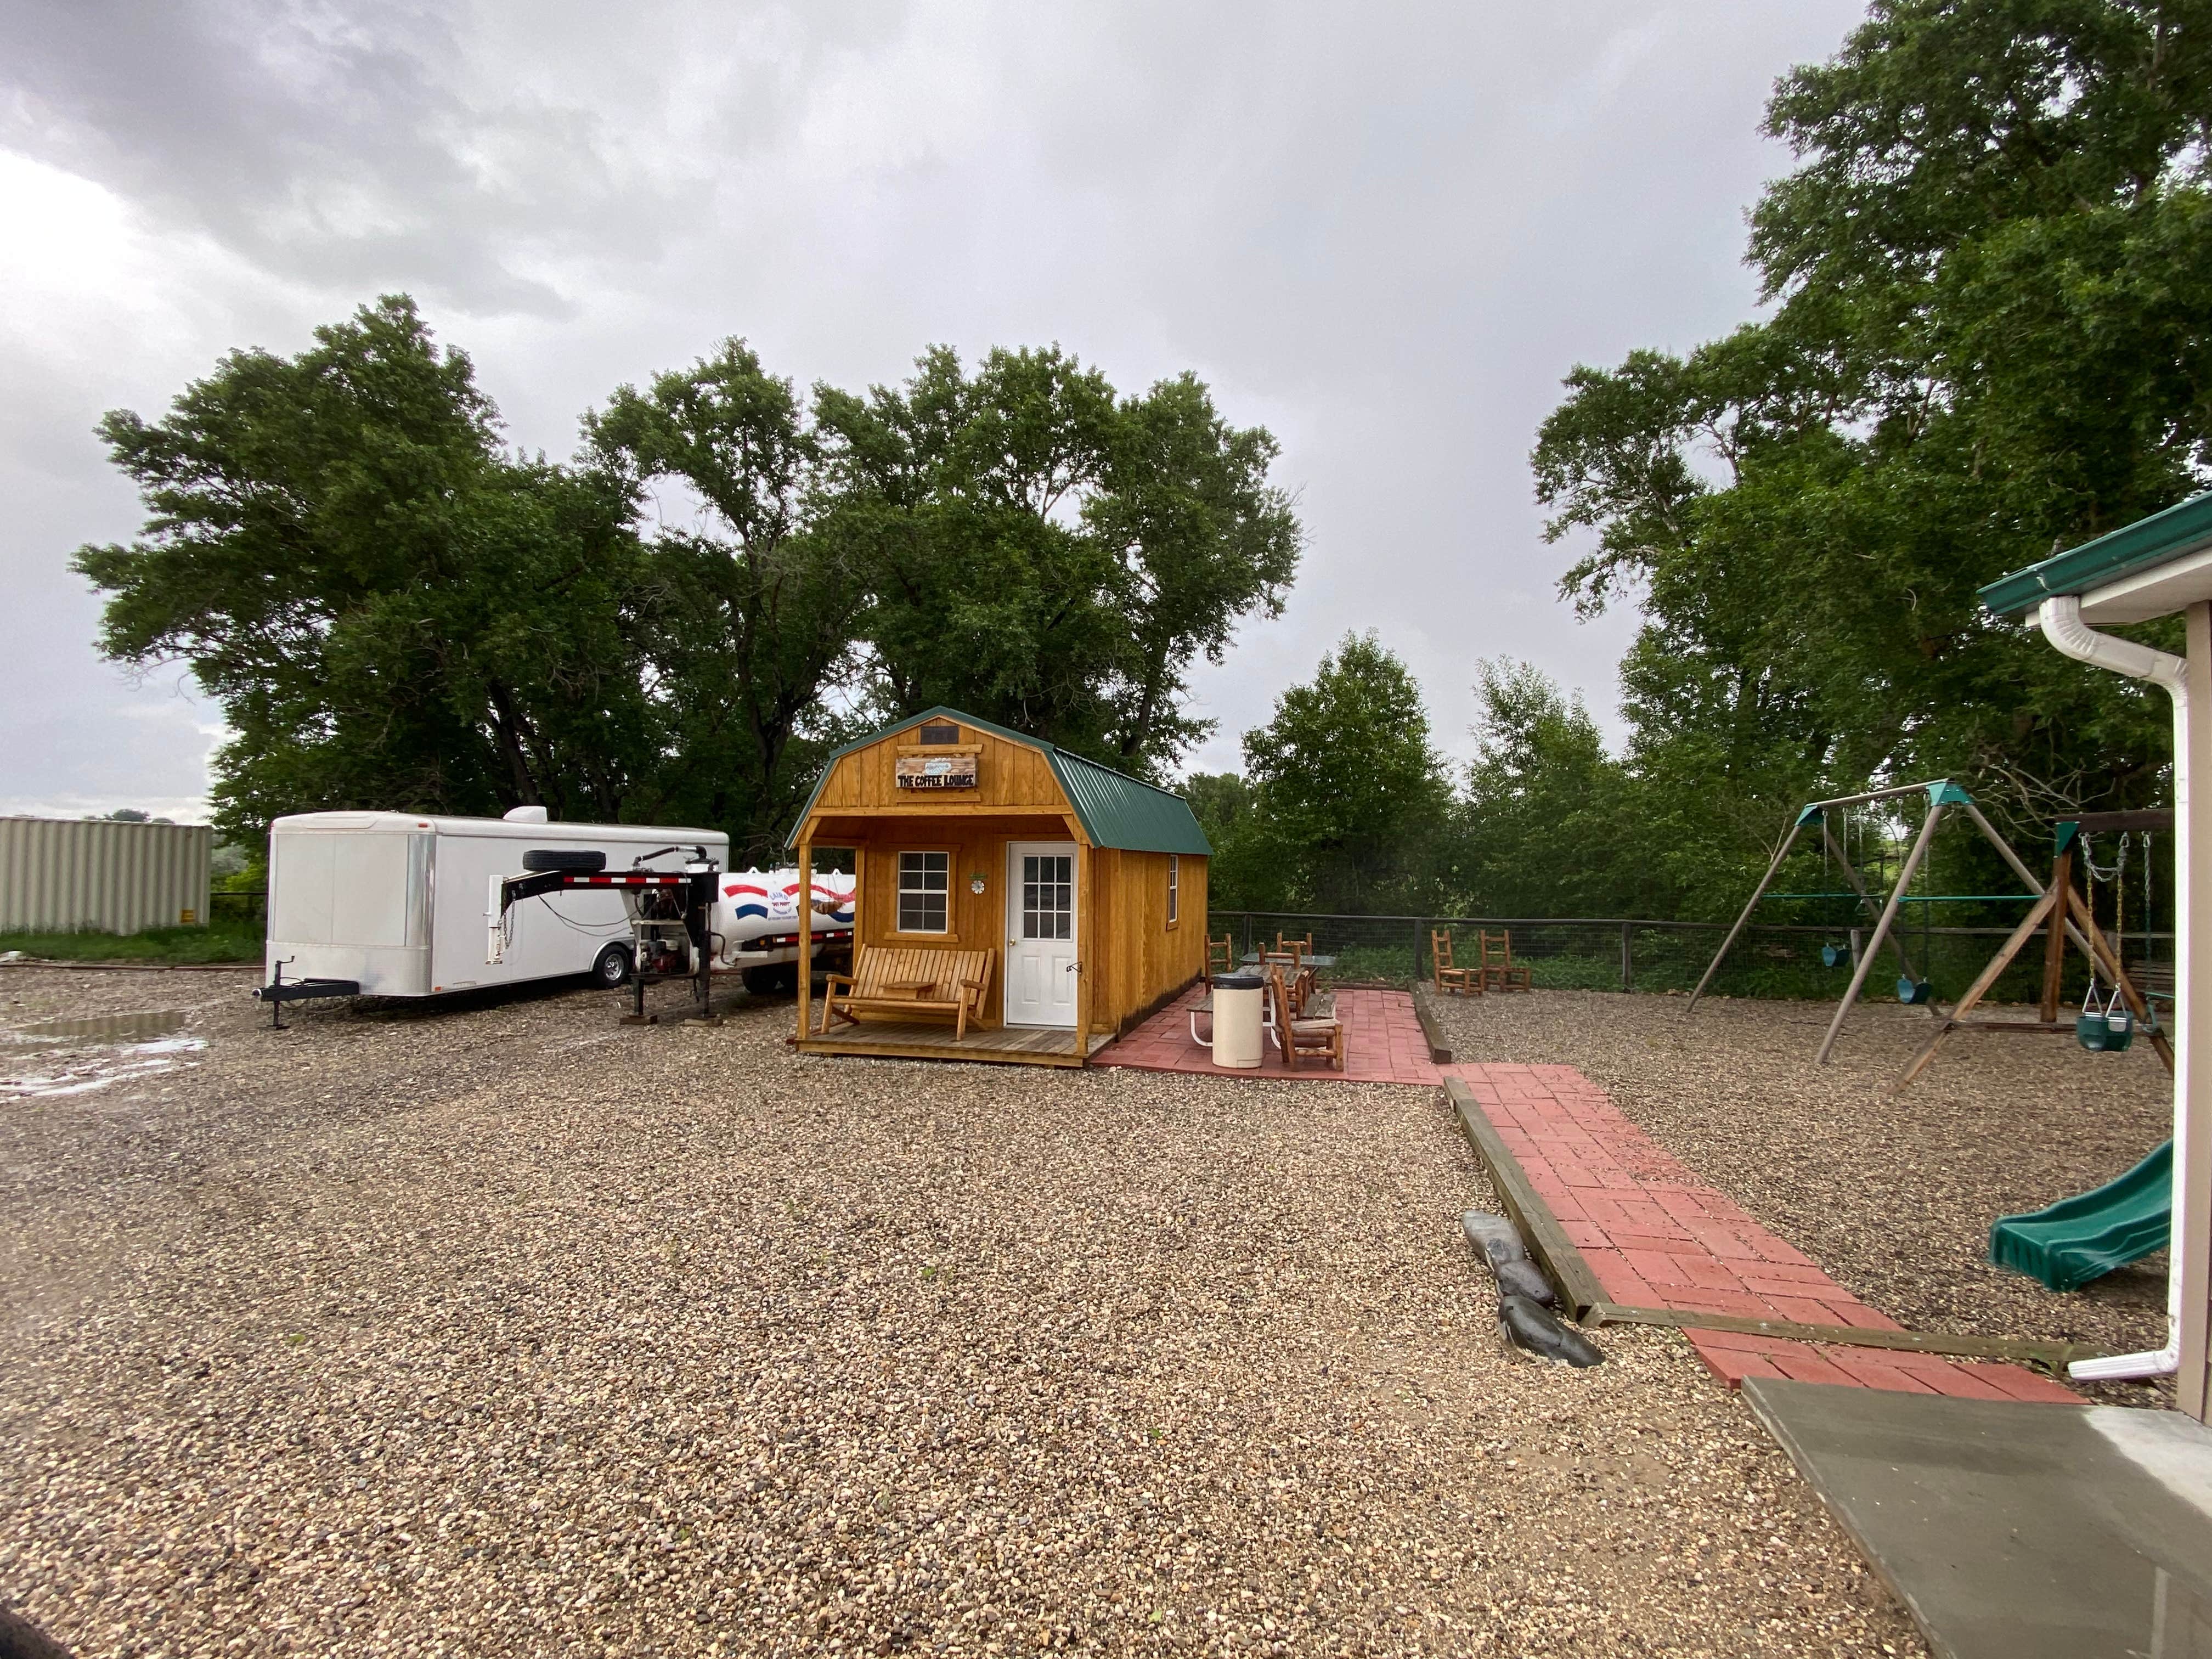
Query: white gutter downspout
[[2060, 618]]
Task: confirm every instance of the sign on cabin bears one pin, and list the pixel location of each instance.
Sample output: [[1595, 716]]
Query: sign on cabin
[[937, 768]]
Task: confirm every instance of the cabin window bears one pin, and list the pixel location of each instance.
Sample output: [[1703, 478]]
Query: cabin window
[[1175, 886], [925, 884], [940, 735]]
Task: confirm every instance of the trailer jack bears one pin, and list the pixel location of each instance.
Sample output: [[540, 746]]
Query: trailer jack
[[277, 992]]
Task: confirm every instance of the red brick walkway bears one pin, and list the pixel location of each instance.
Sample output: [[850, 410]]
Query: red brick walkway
[[1653, 1234]]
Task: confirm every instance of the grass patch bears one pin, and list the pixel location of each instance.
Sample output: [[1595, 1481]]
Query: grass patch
[[223, 940], [1387, 964]]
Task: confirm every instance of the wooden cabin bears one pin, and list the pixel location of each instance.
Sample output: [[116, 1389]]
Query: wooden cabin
[[1085, 887]]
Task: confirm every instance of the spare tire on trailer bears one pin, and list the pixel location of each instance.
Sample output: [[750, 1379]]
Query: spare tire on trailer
[[566, 861]]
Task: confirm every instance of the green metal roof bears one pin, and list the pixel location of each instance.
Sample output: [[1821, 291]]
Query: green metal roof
[[2178, 531], [1115, 809]]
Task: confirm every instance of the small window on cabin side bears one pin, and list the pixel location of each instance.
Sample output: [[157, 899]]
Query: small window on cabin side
[[1175, 886], [925, 880], [940, 735]]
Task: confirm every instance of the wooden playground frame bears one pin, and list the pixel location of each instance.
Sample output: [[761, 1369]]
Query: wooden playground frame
[[2054, 915], [2053, 905]]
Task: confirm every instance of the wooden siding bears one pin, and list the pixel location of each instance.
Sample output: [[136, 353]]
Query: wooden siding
[[1008, 776], [1130, 957], [1136, 956]]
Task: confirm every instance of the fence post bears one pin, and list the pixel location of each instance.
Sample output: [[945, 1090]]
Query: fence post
[[1627, 968], [1417, 950]]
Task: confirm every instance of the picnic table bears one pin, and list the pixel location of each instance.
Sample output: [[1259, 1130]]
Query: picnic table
[[1252, 959]]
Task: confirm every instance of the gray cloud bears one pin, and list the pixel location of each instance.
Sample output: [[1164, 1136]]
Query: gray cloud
[[1385, 234], [371, 143]]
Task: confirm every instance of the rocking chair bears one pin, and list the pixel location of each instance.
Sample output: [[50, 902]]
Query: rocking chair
[[1460, 981], [1504, 973]]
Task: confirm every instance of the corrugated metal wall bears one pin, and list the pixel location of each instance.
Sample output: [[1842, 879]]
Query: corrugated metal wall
[[58, 874]]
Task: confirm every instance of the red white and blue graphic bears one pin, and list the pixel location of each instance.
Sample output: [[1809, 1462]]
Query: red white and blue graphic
[[755, 903]]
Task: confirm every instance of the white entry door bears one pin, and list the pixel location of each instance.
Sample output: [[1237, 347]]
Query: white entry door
[[1041, 933]]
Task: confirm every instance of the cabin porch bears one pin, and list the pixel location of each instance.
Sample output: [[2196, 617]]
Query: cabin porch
[[1018, 1045]]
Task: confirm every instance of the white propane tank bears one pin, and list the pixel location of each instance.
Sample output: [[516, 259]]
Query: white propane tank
[[751, 904]]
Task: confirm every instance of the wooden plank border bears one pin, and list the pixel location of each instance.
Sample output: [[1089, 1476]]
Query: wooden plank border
[[1439, 1055], [1562, 1263]]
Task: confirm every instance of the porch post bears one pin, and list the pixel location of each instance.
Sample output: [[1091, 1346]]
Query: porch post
[[806, 929], [1087, 937], [2192, 1260]]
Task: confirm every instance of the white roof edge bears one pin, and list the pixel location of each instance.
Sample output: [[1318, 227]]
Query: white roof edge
[[500, 827], [2160, 590]]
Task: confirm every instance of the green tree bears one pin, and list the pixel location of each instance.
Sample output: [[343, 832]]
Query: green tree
[[389, 612], [747, 620], [1048, 554], [1550, 819], [393, 612], [1991, 335], [1220, 801], [1243, 874], [1351, 798]]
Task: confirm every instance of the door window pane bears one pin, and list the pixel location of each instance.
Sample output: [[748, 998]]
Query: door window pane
[[1048, 897], [925, 880]]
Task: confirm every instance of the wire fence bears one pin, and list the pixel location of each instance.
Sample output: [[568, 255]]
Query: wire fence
[[1629, 953], [1626, 953], [245, 906]]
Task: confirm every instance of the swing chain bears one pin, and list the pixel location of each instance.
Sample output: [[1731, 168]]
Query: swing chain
[[2104, 873]]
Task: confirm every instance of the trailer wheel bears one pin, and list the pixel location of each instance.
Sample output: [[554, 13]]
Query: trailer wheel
[[566, 859], [777, 979], [612, 968]]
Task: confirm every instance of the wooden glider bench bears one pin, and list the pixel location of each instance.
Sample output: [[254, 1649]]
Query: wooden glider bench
[[911, 980]]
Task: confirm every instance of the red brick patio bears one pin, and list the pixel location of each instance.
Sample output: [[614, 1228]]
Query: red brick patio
[[1653, 1234], [1382, 1044]]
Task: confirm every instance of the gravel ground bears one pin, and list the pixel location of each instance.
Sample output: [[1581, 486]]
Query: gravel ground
[[1893, 1196], [512, 1330]]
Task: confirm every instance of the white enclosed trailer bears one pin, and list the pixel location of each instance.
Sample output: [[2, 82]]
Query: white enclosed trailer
[[394, 902]]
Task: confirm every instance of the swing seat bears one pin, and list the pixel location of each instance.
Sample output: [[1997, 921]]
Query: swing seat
[[1914, 991], [1832, 954], [2105, 1033]]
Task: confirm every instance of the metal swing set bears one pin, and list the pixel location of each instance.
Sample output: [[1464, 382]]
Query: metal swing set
[[2048, 907]]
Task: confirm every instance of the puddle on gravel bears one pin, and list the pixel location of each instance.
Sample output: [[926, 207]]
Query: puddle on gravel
[[118, 1046], [106, 1028]]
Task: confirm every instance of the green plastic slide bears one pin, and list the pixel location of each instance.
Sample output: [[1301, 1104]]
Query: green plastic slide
[[2079, 1239]]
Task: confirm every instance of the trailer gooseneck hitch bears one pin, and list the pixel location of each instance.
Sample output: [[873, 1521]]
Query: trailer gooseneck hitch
[[669, 912]]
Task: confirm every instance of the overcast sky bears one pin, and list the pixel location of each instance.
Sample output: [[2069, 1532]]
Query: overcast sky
[[1385, 232]]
